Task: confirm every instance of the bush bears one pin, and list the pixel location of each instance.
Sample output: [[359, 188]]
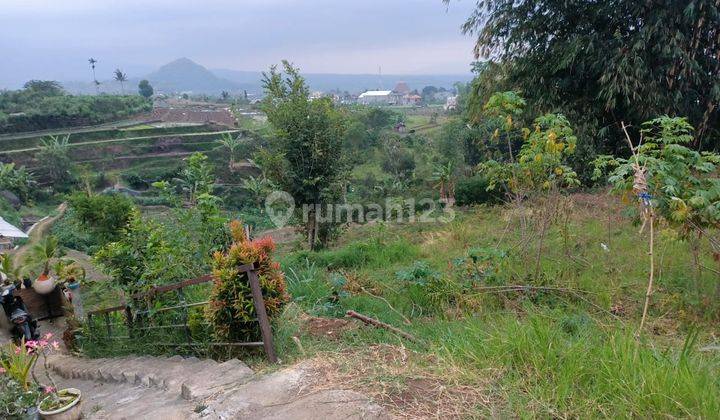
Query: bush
[[103, 215], [231, 310], [473, 190]]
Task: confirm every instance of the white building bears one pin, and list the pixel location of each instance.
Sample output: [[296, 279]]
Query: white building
[[377, 97], [8, 233]]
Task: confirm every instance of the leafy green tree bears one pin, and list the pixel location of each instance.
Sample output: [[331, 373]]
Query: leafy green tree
[[145, 89], [599, 62], [44, 88], [120, 77], [197, 177], [16, 180], [258, 187], [54, 161], [102, 215], [309, 138]]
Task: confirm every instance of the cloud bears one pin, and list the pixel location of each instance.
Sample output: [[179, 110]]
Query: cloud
[[54, 38]]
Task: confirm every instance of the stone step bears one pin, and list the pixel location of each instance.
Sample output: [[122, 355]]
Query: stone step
[[147, 371], [230, 373], [283, 395]]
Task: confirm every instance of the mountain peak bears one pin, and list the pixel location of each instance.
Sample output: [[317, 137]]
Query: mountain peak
[[185, 75]]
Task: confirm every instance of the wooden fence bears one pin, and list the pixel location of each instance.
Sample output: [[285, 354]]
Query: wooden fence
[[136, 321]]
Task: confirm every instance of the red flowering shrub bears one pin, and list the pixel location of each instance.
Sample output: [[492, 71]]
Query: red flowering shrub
[[231, 310]]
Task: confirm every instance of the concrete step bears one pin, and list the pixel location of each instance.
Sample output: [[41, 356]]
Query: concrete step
[[230, 373]]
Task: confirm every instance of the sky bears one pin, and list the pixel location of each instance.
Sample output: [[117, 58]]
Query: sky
[[52, 39]]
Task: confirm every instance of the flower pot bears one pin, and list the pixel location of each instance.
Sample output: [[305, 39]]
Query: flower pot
[[44, 284], [71, 411]]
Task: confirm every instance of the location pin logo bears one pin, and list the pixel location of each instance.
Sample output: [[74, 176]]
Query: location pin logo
[[279, 206]]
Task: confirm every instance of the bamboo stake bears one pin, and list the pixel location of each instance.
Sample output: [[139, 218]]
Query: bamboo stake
[[376, 323], [640, 187], [652, 274]]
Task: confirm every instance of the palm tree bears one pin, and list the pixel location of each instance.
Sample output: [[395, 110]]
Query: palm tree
[[8, 270], [257, 188], [232, 144], [92, 62], [444, 175], [122, 78], [43, 252]]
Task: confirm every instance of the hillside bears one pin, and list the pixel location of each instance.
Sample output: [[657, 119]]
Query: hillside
[[184, 75]]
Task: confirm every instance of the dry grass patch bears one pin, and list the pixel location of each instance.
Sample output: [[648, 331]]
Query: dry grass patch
[[408, 384]]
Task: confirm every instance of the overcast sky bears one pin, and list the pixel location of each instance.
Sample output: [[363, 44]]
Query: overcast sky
[[52, 39]]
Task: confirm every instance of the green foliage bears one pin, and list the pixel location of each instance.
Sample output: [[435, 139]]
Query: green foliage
[[231, 310], [419, 273], [683, 184], [541, 164], [232, 143], [55, 162], [9, 270], [474, 190], [599, 62], [43, 105], [309, 135], [15, 401], [104, 216], [43, 252], [152, 252], [17, 180], [197, 177], [550, 365], [145, 90]]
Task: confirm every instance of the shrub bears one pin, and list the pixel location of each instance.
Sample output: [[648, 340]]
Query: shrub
[[102, 215], [473, 190], [231, 310]]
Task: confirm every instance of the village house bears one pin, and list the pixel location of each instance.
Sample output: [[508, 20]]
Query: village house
[[8, 234]]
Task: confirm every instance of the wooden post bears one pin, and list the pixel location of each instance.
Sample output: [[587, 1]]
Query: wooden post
[[262, 316], [106, 315], [129, 320], [185, 314]]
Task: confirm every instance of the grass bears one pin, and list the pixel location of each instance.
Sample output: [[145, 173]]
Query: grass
[[564, 347], [541, 353]]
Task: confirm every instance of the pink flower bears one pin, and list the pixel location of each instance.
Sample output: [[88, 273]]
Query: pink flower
[[55, 345], [49, 390], [2, 370], [48, 336], [18, 350]]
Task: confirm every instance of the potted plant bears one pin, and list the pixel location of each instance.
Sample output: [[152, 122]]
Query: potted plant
[[61, 405], [42, 253], [19, 395], [9, 271], [58, 404], [16, 402], [16, 371]]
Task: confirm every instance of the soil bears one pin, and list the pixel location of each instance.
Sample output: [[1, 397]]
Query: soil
[[331, 328]]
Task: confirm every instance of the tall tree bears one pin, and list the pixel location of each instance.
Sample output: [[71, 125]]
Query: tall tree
[[309, 140], [92, 62], [145, 89], [602, 61], [122, 78]]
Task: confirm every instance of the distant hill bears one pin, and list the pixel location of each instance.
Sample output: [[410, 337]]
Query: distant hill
[[185, 75], [353, 83]]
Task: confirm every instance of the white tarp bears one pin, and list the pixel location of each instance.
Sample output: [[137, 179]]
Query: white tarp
[[9, 231]]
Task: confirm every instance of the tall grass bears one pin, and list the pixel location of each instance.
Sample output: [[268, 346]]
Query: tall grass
[[556, 371]]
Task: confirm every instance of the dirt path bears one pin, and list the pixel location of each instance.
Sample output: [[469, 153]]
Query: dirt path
[[86, 143], [38, 231]]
